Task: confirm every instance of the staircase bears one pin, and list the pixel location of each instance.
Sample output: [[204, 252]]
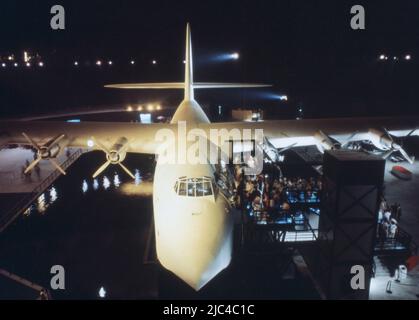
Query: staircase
[[8, 217]]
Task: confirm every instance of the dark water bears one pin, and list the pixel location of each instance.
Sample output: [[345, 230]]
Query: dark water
[[99, 236]]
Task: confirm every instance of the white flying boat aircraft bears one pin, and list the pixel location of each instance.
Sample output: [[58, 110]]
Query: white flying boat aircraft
[[192, 209]]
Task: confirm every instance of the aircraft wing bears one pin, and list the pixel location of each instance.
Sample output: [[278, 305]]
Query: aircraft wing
[[284, 133], [140, 137]]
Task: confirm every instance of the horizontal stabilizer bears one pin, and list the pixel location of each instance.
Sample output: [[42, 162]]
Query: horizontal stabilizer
[[215, 85], [162, 85], [181, 85]]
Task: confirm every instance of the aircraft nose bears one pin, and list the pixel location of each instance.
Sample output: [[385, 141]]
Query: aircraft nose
[[198, 248], [198, 266]]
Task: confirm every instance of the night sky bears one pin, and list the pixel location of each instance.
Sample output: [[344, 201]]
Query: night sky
[[306, 49]]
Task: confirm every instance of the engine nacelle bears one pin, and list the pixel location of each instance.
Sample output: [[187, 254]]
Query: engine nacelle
[[382, 140], [324, 142], [52, 149], [118, 151]]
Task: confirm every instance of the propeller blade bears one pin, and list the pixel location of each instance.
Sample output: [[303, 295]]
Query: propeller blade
[[55, 164], [32, 142], [101, 169], [32, 165], [287, 148], [127, 170], [406, 156], [320, 147], [102, 146], [388, 135], [387, 154], [349, 139], [411, 132], [56, 140]]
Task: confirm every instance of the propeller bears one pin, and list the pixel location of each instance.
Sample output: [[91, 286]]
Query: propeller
[[48, 151], [282, 150], [325, 142], [268, 148], [114, 156], [348, 140], [397, 147]]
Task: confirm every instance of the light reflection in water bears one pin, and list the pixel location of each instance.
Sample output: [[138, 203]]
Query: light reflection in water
[[116, 181], [106, 183], [85, 186], [41, 205], [28, 211], [52, 195], [138, 178]]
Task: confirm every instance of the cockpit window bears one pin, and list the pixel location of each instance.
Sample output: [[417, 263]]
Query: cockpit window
[[182, 189], [194, 187]]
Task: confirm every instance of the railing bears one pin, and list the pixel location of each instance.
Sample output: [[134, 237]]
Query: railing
[[44, 294], [27, 200], [402, 241], [308, 234], [276, 234]]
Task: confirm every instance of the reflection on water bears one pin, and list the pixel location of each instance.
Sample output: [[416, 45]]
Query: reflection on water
[[85, 186], [91, 227], [43, 202], [46, 199], [53, 195], [102, 292], [144, 189], [95, 184], [106, 182], [116, 181], [138, 178]]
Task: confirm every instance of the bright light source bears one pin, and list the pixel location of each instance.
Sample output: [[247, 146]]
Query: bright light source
[[102, 292], [41, 64], [90, 143], [129, 108], [184, 61], [140, 108], [150, 107], [3, 65], [154, 62], [28, 64], [132, 62], [110, 62], [10, 58], [382, 57], [99, 63], [76, 63], [235, 56], [395, 58], [408, 57], [15, 64], [283, 98], [158, 107]]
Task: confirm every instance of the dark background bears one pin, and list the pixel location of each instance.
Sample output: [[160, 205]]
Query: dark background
[[306, 49]]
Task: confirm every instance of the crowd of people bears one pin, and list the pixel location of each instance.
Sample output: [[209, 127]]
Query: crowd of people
[[268, 197], [388, 217]]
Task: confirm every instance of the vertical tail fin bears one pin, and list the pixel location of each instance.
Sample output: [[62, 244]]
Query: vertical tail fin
[[189, 90], [188, 85]]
